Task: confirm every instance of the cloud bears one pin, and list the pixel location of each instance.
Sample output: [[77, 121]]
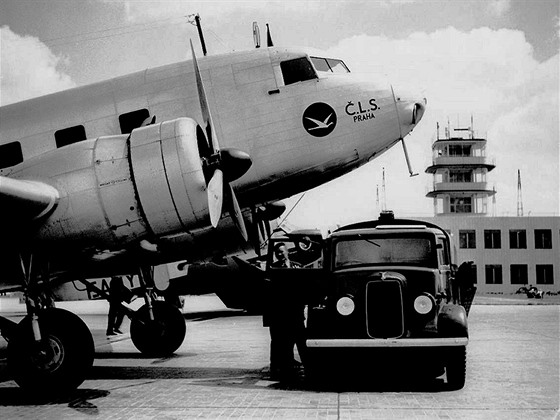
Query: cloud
[[498, 7], [490, 74], [29, 68]]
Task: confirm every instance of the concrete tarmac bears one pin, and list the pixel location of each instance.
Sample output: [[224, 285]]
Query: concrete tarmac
[[221, 371]]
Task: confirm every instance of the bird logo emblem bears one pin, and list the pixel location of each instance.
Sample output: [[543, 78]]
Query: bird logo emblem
[[319, 119]]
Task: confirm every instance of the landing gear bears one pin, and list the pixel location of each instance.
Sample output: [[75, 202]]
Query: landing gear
[[160, 336], [51, 350], [158, 328], [59, 361]]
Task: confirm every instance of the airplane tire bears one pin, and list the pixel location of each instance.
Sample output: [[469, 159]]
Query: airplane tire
[[60, 362], [162, 336]]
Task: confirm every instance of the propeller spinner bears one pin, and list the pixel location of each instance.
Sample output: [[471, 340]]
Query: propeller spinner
[[221, 165]]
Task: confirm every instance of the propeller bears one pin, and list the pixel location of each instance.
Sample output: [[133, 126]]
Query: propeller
[[219, 165]]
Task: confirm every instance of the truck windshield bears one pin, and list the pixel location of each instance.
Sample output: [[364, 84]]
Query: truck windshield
[[416, 251]]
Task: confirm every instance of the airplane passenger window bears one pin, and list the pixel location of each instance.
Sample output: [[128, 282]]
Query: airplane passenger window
[[69, 135], [10, 154], [329, 65], [131, 120], [297, 70]]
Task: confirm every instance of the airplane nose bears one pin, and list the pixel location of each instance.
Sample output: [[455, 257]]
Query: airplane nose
[[410, 104]]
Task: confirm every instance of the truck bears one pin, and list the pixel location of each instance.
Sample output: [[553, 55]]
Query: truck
[[380, 293]]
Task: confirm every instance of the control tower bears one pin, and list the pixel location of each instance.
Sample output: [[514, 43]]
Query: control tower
[[460, 165]]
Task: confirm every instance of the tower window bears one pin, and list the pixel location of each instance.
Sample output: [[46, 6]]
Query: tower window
[[460, 205]]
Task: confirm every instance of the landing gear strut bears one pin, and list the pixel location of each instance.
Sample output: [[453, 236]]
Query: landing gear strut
[[158, 328], [50, 350]]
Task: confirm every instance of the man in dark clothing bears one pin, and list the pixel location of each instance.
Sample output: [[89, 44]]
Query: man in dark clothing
[[118, 293], [285, 317]]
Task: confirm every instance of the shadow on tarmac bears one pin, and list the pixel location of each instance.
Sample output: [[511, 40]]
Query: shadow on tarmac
[[260, 378], [79, 399]]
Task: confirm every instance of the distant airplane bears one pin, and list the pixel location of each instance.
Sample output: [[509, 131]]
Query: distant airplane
[[117, 177]]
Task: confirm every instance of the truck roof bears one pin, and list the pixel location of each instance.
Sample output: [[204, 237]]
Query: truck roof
[[388, 223]]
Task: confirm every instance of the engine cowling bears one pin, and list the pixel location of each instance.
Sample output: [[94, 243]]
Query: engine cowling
[[168, 176], [118, 189]]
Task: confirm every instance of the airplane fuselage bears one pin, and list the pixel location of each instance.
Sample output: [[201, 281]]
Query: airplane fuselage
[[301, 128]]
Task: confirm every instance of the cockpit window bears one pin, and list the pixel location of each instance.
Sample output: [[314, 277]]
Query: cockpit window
[[329, 65], [297, 70]]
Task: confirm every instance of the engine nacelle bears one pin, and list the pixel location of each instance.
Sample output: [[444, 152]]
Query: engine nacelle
[[167, 172], [118, 189]]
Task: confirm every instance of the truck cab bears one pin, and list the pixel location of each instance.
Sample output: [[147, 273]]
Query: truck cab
[[388, 287]]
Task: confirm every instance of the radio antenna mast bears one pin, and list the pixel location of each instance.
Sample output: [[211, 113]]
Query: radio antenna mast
[[519, 196], [196, 23]]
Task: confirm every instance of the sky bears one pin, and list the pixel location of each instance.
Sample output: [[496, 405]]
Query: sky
[[495, 60]]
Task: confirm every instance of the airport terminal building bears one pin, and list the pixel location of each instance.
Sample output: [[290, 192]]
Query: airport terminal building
[[508, 252]]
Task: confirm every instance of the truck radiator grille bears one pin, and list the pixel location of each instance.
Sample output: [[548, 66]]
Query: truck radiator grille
[[384, 309]]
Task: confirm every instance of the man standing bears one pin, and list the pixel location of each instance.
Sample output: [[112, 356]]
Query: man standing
[[285, 318], [118, 293]]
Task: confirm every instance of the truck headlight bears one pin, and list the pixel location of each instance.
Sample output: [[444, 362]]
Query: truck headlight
[[345, 306], [424, 304]]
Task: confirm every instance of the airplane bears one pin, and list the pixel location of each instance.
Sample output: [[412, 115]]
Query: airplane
[[178, 162]]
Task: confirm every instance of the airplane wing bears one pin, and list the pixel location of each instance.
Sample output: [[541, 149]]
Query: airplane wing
[[24, 199]]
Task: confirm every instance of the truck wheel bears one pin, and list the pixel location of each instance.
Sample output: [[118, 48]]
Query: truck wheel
[[456, 368], [60, 361], [162, 336]]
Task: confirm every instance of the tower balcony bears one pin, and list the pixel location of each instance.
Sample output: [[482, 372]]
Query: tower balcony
[[462, 188], [466, 162]]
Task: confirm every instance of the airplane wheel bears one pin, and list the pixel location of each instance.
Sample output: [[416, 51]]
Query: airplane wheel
[[162, 336], [60, 362]]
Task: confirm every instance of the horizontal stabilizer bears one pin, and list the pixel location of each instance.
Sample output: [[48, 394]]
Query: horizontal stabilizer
[[26, 199]]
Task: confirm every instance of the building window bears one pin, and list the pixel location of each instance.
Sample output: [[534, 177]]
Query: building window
[[10, 154], [460, 205], [69, 135], [494, 274], [297, 70], [467, 239], [545, 274], [519, 274], [543, 238], [460, 176], [518, 239], [459, 150], [492, 239], [132, 120]]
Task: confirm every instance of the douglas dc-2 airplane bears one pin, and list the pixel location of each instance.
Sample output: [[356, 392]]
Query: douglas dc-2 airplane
[[118, 176]]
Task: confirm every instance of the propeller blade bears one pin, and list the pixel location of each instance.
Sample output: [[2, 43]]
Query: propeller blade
[[215, 191], [206, 116], [235, 213]]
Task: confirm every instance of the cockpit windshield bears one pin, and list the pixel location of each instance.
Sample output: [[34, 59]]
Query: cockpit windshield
[[329, 65]]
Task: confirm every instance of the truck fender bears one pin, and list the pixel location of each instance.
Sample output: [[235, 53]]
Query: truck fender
[[452, 321]]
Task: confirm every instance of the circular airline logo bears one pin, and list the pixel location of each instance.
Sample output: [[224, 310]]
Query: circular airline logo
[[319, 119]]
